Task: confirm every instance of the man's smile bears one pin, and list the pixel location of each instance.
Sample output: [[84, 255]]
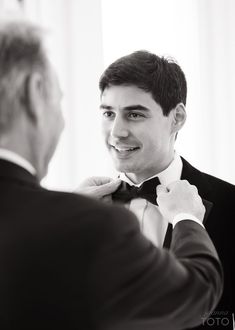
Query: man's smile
[[123, 150]]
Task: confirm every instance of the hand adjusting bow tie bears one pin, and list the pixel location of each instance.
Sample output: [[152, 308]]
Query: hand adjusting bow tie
[[125, 193]]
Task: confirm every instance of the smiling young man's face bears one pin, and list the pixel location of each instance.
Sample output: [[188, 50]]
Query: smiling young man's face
[[138, 136]]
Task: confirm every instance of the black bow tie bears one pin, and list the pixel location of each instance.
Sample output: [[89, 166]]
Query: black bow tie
[[125, 193]]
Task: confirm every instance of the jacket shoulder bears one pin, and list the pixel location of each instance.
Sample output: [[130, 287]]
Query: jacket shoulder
[[96, 214], [205, 180]]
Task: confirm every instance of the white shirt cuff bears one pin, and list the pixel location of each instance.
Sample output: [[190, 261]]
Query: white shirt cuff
[[185, 216]]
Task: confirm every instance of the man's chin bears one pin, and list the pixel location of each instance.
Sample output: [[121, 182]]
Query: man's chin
[[124, 168]]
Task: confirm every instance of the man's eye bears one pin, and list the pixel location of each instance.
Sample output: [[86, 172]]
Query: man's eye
[[108, 114], [135, 115]]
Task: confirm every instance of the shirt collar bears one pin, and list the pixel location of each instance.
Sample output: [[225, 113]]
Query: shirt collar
[[15, 158], [170, 174]]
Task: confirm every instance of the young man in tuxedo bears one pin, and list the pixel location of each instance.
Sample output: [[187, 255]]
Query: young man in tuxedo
[[143, 99], [68, 261]]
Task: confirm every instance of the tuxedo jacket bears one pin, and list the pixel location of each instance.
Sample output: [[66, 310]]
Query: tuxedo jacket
[[67, 261], [220, 225]]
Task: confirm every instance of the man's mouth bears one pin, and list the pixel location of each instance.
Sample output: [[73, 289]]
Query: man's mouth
[[124, 150]]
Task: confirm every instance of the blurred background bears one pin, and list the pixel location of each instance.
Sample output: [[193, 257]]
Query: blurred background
[[85, 36]]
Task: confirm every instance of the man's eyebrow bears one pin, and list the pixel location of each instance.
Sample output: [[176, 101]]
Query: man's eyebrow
[[136, 107], [105, 107], [127, 108]]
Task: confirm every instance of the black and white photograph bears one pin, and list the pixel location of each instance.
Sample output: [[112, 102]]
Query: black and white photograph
[[117, 158]]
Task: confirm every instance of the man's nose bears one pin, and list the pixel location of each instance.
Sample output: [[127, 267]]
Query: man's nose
[[119, 128]]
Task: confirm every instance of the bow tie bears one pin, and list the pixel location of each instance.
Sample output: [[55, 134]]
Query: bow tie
[[125, 193]]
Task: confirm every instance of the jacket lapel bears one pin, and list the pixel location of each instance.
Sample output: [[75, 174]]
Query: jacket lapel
[[198, 179]]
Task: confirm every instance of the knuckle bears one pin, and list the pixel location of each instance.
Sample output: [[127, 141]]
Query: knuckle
[[194, 188]]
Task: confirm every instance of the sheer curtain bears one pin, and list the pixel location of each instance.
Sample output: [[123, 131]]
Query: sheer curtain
[[87, 35], [217, 86]]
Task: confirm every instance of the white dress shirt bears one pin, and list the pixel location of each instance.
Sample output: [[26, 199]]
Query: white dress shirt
[[152, 223], [17, 159]]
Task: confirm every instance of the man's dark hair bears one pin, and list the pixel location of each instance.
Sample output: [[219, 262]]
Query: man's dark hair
[[160, 76]]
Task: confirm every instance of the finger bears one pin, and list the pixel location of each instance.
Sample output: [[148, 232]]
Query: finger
[[109, 188], [101, 180], [194, 189], [174, 184], [93, 181], [161, 189]]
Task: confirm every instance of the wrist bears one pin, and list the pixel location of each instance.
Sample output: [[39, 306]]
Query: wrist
[[185, 216]]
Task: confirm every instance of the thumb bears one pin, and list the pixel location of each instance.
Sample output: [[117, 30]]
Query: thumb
[[101, 180], [110, 187], [161, 189]]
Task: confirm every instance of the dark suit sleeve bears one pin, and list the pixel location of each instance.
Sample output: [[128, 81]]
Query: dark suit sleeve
[[134, 285]]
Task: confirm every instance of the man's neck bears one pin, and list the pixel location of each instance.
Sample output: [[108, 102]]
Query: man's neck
[[140, 177]]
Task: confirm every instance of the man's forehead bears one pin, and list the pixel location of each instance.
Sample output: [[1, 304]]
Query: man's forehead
[[124, 88], [126, 96]]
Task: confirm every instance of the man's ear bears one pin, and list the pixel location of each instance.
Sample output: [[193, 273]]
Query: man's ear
[[179, 117], [33, 95]]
